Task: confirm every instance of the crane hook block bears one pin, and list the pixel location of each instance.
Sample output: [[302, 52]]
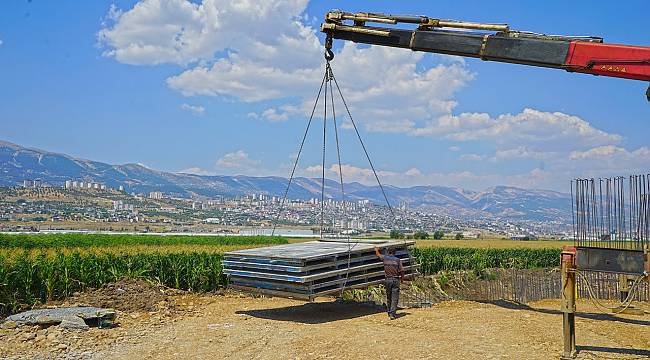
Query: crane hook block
[[329, 54]]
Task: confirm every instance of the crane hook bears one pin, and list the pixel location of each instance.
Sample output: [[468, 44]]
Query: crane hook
[[329, 54], [647, 93]]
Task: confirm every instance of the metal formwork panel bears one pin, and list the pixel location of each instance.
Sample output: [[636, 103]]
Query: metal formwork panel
[[311, 269], [300, 277], [299, 292], [314, 250]]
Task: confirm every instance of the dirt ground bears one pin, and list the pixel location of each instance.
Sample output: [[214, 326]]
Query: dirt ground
[[126, 296], [234, 326]]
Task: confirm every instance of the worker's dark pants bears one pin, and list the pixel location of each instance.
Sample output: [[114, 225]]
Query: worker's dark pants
[[392, 294]]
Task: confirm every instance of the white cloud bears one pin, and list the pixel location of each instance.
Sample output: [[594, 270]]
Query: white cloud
[[257, 51], [233, 163], [195, 170], [472, 157], [265, 51], [184, 32], [605, 152], [535, 178], [528, 127], [238, 160], [273, 115], [611, 159], [245, 80], [196, 109], [522, 152], [385, 88], [113, 15], [350, 173]]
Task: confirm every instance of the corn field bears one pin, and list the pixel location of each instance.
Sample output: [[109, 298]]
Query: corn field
[[37, 241], [26, 279], [38, 268], [433, 260]]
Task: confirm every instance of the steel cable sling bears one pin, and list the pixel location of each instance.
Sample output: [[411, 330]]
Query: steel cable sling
[[295, 163], [372, 167], [330, 77], [326, 86]]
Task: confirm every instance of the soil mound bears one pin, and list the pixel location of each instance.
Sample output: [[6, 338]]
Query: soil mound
[[127, 295]]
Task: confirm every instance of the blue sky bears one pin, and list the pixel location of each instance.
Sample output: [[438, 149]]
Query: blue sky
[[223, 87]]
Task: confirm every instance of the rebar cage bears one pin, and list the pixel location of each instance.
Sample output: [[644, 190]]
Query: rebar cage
[[612, 213], [611, 223]]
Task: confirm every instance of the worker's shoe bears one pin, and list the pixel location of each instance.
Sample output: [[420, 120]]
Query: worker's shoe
[[392, 316]]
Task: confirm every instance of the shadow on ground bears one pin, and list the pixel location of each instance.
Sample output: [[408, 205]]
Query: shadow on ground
[[316, 313], [591, 316], [598, 350]]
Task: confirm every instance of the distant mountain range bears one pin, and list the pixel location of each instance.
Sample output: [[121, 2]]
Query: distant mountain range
[[18, 163]]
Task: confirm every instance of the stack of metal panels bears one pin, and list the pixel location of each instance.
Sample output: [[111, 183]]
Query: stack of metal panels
[[311, 269]]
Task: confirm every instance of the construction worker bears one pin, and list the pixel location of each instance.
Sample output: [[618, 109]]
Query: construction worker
[[394, 274]]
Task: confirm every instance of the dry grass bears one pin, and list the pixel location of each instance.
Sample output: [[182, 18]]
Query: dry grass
[[134, 249]]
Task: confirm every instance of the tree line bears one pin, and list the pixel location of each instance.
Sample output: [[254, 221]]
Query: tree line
[[422, 235]]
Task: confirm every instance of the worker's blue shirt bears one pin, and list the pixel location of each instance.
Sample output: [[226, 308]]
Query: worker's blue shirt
[[392, 266]]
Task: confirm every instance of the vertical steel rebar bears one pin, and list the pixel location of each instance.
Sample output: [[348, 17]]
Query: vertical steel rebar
[[615, 213]]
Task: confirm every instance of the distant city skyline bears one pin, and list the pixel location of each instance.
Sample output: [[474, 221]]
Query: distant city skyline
[[223, 87]]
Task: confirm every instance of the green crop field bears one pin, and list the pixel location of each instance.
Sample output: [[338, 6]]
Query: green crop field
[[495, 244], [74, 240], [38, 268], [26, 279], [435, 259], [41, 267]]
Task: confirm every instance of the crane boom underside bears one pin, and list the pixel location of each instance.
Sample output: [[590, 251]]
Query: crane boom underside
[[584, 55]]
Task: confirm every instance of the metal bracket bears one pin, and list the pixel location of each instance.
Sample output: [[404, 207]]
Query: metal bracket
[[484, 45], [615, 261]]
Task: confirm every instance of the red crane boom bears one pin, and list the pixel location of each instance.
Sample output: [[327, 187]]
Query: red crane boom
[[624, 61]]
